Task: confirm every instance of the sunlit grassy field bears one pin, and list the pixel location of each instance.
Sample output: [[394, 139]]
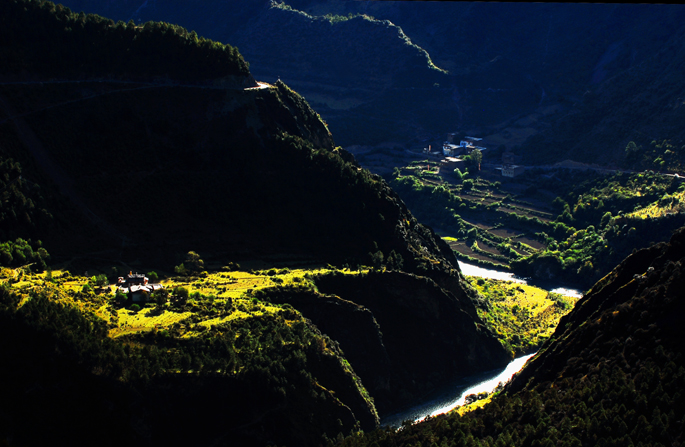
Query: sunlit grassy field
[[522, 316], [214, 298]]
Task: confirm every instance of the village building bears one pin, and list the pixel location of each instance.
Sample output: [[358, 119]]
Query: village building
[[509, 169], [137, 287], [512, 171], [451, 150], [449, 164]]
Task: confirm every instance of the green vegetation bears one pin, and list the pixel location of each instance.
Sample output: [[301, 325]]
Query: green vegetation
[[523, 317], [23, 210], [611, 375], [593, 222], [270, 351], [143, 52], [660, 155], [21, 253]]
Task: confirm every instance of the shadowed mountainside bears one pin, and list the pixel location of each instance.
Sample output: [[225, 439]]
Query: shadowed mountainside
[[376, 318], [152, 163], [611, 375], [505, 62]]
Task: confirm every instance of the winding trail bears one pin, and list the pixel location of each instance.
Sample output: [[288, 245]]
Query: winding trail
[[141, 86]]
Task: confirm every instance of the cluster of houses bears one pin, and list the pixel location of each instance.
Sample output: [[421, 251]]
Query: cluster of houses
[[450, 151], [137, 286]]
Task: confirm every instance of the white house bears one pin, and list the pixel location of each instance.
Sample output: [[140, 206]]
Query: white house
[[137, 286], [450, 150]]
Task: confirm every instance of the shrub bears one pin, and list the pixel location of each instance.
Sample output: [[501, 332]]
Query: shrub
[[181, 292]]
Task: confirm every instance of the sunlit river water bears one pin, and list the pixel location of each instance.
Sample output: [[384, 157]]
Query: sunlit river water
[[454, 395], [474, 270]]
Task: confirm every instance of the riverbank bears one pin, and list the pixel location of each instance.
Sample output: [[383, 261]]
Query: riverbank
[[481, 272], [455, 394]]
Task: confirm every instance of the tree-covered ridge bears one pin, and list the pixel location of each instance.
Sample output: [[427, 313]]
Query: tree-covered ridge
[[48, 40], [250, 368], [23, 209], [612, 375]]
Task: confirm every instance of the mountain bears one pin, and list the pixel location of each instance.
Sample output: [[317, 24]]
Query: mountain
[[612, 374], [132, 145], [599, 126], [511, 71]]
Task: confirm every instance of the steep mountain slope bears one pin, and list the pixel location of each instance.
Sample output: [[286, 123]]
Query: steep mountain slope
[[640, 104], [376, 317], [613, 373], [154, 160]]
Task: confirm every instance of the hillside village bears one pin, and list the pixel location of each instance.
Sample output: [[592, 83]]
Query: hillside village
[[452, 156]]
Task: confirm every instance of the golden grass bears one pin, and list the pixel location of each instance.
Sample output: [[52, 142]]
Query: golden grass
[[521, 315], [462, 410], [148, 319], [675, 205]]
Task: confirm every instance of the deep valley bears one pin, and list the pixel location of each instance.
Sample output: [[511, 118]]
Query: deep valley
[[239, 223]]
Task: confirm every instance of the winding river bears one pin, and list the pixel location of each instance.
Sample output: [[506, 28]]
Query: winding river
[[474, 270], [454, 395]]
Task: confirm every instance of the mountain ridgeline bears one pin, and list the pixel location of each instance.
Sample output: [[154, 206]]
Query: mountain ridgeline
[[584, 79], [118, 153]]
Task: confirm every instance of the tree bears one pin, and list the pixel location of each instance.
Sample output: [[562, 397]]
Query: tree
[[476, 158], [377, 259], [193, 262], [101, 280], [181, 293], [458, 175], [395, 260], [632, 152]]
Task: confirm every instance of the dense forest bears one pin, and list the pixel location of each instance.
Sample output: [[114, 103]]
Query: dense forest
[[47, 40]]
